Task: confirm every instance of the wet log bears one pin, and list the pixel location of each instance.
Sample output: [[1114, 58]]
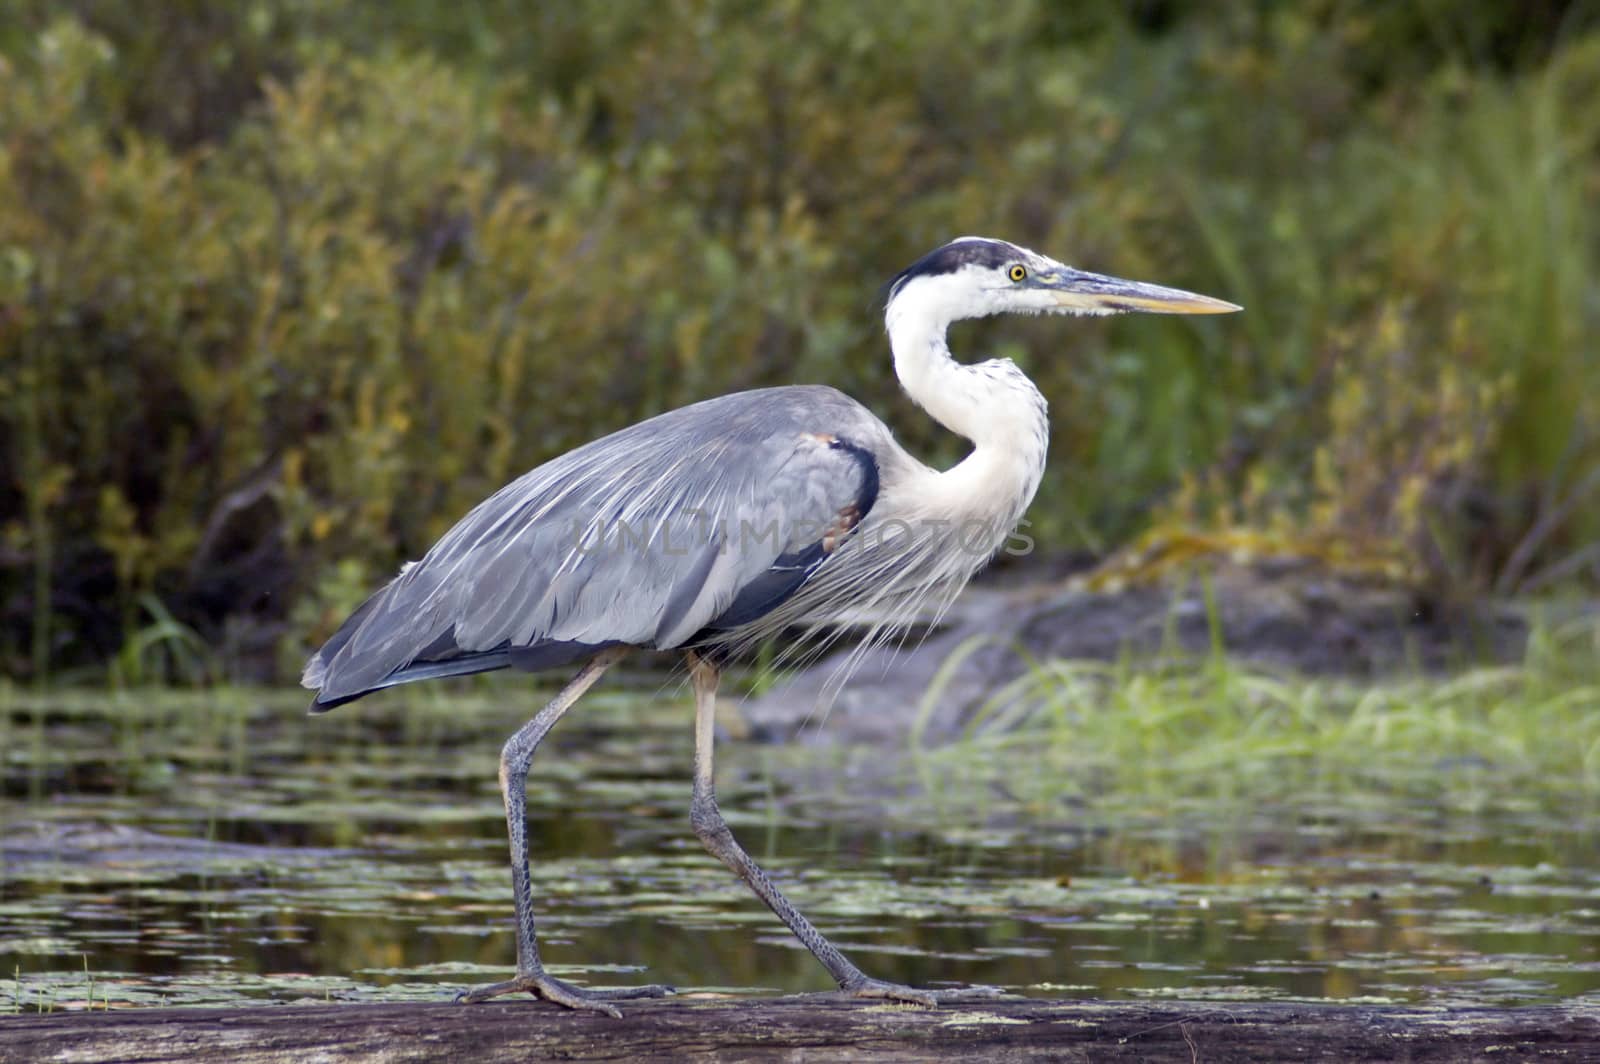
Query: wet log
[[818, 1028]]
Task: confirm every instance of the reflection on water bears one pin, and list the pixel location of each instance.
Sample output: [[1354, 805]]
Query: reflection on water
[[211, 849]]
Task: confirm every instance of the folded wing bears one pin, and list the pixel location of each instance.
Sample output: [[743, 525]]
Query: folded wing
[[698, 520]]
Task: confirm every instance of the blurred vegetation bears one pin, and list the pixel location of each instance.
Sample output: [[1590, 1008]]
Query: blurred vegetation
[[1212, 726], [287, 285]]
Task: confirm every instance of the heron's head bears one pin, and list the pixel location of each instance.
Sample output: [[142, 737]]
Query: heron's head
[[973, 277]]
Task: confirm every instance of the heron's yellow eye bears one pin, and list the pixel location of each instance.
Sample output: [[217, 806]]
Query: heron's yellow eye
[[1018, 272]]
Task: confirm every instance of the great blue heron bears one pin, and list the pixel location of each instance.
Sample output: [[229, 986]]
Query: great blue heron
[[719, 524]]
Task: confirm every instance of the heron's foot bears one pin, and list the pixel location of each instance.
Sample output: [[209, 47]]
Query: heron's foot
[[541, 985], [880, 990]]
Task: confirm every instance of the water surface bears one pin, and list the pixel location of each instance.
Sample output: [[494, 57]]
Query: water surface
[[223, 848]]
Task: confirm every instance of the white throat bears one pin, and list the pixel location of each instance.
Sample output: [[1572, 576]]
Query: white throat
[[993, 404]]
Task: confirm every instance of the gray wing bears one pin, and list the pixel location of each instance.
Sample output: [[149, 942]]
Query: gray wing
[[697, 520]]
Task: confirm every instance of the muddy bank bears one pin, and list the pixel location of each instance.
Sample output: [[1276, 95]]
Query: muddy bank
[[1281, 615]]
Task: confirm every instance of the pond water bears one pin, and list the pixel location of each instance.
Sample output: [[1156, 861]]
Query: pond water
[[221, 848]]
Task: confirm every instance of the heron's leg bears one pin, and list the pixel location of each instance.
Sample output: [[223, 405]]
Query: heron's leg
[[713, 831], [515, 758]]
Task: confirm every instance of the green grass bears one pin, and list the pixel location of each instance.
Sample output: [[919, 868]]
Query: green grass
[[1210, 726], [1216, 728]]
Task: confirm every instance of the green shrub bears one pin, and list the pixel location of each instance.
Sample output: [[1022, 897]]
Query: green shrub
[[286, 286]]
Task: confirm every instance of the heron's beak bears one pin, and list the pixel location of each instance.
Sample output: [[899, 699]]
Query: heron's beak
[[1093, 293]]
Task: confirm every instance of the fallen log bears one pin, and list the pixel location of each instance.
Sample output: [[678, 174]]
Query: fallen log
[[818, 1027]]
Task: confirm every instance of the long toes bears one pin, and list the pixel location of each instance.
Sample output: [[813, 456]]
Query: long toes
[[552, 989], [573, 998], [877, 988], [489, 991], [626, 992]]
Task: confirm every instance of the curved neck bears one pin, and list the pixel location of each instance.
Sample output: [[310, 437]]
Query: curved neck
[[993, 404]]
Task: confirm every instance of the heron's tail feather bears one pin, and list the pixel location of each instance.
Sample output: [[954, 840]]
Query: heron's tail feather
[[315, 675], [464, 665], [378, 647]]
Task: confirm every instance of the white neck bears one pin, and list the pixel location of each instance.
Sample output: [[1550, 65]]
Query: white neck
[[993, 404]]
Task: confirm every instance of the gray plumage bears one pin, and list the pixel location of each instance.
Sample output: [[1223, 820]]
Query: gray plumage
[[645, 537], [724, 523]]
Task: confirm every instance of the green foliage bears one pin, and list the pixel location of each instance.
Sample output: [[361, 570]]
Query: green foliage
[[1522, 733], [287, 283]]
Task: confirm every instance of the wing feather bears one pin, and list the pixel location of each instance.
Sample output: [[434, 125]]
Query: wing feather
[[644, 537]]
